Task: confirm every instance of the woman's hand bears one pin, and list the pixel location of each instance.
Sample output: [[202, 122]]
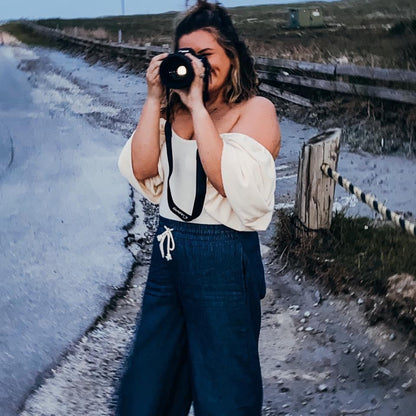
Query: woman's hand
[[155, 89], [192, 97]]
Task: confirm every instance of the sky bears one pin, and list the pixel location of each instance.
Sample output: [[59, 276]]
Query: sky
[[36, 9]]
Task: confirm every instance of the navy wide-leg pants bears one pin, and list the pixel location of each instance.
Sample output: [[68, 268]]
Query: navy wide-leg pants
[[197, 335]]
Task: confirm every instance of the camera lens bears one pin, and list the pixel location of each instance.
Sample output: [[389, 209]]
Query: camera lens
[[176, 71]]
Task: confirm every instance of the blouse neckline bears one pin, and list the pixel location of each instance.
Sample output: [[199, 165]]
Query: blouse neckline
[[176, 136]]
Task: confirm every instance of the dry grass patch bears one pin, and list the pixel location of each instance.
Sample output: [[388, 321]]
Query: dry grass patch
[[357, 255]]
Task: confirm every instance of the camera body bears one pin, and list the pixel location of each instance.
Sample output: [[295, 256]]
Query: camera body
[[176, 69]]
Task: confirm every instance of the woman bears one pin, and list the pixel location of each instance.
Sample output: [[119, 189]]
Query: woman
[[197, 336]]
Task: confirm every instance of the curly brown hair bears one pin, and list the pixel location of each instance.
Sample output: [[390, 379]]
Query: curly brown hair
[[215, 19], [242, 80]]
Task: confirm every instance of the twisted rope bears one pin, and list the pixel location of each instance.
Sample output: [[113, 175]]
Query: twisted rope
[[370, 200]]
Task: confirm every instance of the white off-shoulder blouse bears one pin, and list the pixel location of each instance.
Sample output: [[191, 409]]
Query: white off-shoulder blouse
[[248, 175]]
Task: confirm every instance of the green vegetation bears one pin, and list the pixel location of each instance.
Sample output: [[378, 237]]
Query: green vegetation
[[137, 29], [402, 27], [355, 252], [26, 35]]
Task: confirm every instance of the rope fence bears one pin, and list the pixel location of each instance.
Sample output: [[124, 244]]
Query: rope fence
[[370, 200]]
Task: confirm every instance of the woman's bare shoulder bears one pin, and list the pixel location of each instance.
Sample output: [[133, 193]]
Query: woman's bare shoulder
[[258, 119], [260, 102]]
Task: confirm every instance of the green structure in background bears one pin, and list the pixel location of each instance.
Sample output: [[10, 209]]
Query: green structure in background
[[308, 17]]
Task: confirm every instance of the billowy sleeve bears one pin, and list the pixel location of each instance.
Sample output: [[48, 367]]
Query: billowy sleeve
[[249, 180], [150, 188]]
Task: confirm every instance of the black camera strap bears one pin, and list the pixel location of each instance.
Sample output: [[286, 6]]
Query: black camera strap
[[201, 181]]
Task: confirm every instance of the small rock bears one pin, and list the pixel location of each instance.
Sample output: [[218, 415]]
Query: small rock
[[381, 359], [360, 301], [307, 314], [392, 336], [309, 329], [407, 386], [303, 320], [396, 392], [382, 370], [264, 250], [322, 388], [317, 296], [300, 329]]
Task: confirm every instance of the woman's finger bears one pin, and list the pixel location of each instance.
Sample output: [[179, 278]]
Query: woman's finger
[[159, 57], [156, 61], [197, 65]]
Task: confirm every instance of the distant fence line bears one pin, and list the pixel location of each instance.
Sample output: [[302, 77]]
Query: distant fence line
[[116, 49], [275, 73]]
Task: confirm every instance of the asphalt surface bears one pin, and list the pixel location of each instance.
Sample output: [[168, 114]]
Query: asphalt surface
[[63, 205]]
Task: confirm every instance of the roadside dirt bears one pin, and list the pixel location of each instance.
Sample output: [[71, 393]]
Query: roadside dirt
[[320, 356]]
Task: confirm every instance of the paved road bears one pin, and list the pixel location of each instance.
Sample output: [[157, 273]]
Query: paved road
[[62, 208]]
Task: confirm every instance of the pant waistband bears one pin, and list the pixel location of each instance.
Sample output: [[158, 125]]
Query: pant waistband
[[204, 230]]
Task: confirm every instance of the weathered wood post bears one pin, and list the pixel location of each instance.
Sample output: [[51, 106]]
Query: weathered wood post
[[314, 190]]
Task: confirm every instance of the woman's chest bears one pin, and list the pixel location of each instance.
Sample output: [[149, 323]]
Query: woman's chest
[[184, 127]]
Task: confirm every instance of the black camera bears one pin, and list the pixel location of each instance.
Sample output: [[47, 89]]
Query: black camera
[[176, 69]]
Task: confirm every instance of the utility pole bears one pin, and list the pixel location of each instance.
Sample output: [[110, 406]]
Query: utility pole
[[120, 34]]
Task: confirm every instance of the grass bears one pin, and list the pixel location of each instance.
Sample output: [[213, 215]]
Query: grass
[[355, 255], [26, 35], [354, 252]]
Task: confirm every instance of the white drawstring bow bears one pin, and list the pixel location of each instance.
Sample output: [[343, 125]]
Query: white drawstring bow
[[170, 244]]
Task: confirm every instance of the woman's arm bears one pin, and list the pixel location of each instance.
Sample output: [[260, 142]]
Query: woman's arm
[[210, 146], [145, 148], [258, 120]]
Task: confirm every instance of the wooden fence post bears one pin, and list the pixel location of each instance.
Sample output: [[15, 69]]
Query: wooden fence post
[[314, 190]]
